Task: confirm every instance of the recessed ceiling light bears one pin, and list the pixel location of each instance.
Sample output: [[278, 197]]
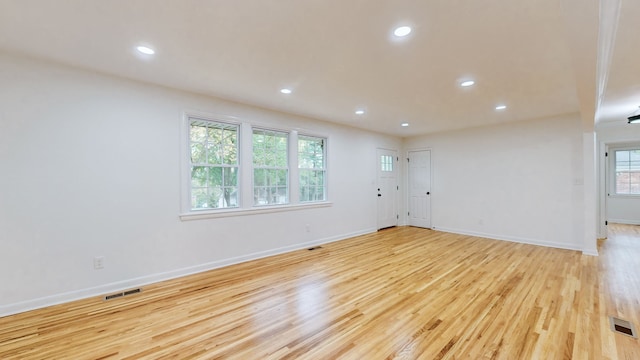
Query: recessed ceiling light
[[501, 107], [634, 119], [145, 50], [402, 31], [285, 91], [359, 112], [404, 124], [467, 83]]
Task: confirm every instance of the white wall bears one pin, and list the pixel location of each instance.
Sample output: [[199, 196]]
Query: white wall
[[625, 210], [519, 182], [91, 166]]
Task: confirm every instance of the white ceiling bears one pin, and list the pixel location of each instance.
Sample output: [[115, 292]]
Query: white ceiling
[[339, 56]]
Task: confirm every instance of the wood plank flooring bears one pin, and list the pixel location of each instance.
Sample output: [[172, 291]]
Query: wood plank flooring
[[401, 293]]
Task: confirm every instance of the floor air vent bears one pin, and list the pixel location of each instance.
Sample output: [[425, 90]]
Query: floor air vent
[[113, 296], [622, 327], [314, 248], [131, 292], [121, 294]]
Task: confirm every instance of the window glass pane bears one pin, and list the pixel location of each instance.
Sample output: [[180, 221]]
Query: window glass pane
[[199, 198], [310, 152], [282, 143], [198, 154], [258, 177], [386, 163], [304, 193], [319, 178], [281, 158], [230, 150], [269, 157], [281, 177], [214, 133], [622, 155], [216, 199], [304, 177], [259, 196], [233, 196], [213, 153], [269, 177], [258, 148], [198, 176], [198, 132], [215, 176]]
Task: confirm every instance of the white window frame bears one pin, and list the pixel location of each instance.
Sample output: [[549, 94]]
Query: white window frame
[[216, 122], [255, 167], [245, 171], [323, 169], [612, 170]]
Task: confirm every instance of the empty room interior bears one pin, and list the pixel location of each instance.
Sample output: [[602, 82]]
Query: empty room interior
[[319, 179]]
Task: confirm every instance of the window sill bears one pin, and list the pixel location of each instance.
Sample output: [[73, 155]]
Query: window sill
[[625, 196], [222, 213]]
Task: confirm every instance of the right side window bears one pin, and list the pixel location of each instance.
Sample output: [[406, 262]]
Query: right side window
[[627, 172], [312, 170]]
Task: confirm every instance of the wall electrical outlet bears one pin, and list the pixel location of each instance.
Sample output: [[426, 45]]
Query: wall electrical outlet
[[98, 262]]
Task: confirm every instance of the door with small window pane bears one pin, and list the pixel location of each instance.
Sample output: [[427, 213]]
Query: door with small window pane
[[387, 188]]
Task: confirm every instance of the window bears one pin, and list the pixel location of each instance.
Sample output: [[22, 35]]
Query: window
[[312, 168], [214, 164], [232, 168], [386, 163], [627, 172], [270, 167]]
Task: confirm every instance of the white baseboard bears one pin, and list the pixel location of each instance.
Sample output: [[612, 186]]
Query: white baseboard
[[23, 306], [512, 239], [624, 221]]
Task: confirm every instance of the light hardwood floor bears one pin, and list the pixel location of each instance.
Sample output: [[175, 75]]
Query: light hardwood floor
[[402, 293]]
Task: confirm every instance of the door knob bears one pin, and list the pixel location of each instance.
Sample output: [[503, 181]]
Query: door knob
[[428, 193]]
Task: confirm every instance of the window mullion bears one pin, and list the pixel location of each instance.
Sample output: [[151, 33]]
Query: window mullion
[[246, 171], [294, 181]]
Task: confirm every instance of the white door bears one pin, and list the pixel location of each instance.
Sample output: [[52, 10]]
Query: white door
[[387, 194], [420, 188], [604, 212]]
